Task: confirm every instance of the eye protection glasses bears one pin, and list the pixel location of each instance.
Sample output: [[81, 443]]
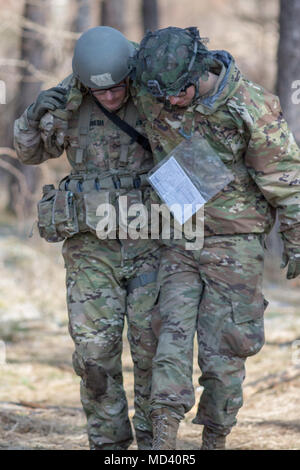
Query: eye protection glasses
[[115, 90]]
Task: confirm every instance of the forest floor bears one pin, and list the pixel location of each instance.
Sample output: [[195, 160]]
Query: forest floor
[[39, 392]]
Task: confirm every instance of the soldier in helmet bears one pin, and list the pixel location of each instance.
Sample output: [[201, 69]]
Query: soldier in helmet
[[186, 91], [111, 277]]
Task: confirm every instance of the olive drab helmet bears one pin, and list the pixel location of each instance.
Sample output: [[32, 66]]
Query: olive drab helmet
[[169, 60], [101, 57]]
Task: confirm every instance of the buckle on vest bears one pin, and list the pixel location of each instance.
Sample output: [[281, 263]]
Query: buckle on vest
[[137, 182], [97, 184], [67, 182], [79, 186], [186, 136], [116, 181]]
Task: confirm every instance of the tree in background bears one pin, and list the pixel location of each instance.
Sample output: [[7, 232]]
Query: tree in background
[[150, 15], [113, 14], [31, 53], [289, 62], [82, 20], [288, 71]]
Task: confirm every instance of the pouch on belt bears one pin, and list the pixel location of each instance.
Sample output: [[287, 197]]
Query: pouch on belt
[[100, 215], [130, 206], [57, 216]]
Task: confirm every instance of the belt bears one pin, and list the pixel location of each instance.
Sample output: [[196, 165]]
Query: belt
[[79, 184]]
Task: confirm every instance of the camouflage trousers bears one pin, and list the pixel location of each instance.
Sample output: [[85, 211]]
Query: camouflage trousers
[[98, 301], [216, 291]]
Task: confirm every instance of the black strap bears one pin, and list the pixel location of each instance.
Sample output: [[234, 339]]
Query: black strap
[[125, 127]]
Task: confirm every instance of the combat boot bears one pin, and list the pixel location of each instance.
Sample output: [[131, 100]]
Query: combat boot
[[212, 440], [165, 428]]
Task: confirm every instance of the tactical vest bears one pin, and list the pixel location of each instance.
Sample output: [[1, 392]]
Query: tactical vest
[[72, 207]]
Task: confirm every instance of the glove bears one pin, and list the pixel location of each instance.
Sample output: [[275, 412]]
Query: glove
[[54, 98], [291, 259]]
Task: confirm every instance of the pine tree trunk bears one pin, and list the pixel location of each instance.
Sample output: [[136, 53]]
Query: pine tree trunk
[[150, 15], [82, 20], [289, 63], [113, 14], [31, 52]]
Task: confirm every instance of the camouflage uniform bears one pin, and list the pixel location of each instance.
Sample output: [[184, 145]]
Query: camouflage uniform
[[102, 275], [220, 286]]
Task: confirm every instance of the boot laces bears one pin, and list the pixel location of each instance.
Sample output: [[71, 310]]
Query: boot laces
[[161, 426]]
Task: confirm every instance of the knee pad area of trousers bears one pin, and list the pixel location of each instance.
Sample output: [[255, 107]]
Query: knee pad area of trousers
[[95, 378], [93, 375]]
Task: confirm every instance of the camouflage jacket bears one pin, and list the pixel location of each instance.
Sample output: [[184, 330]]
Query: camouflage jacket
[[109, 150], [244, 124], [58, 132]]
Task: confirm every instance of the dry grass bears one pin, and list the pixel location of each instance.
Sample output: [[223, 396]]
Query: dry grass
[[39, 393]]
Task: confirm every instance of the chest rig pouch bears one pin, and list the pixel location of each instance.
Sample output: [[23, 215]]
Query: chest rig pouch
[[125, 195], [57, 210], [71, 209]]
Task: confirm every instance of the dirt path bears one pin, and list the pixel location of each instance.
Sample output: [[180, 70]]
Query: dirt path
[[39, 393], [40, 407]]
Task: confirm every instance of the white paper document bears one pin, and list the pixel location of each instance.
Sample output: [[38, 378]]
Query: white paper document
[[177, 190]]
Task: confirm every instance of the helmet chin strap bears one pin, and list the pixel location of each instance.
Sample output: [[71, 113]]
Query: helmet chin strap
[[197, 94], [193, 56]]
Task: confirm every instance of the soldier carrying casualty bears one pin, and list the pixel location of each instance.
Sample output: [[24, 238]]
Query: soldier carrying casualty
[[187, 92]]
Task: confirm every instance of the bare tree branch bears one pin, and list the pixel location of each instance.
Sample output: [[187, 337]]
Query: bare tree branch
[[270, 381], [11, 20], [14, 171], [40, 75]]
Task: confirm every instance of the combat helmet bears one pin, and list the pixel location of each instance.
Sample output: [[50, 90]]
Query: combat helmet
[[101, 56], [169, 60]]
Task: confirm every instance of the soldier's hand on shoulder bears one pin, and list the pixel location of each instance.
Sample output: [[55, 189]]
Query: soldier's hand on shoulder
[[48, 100]]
